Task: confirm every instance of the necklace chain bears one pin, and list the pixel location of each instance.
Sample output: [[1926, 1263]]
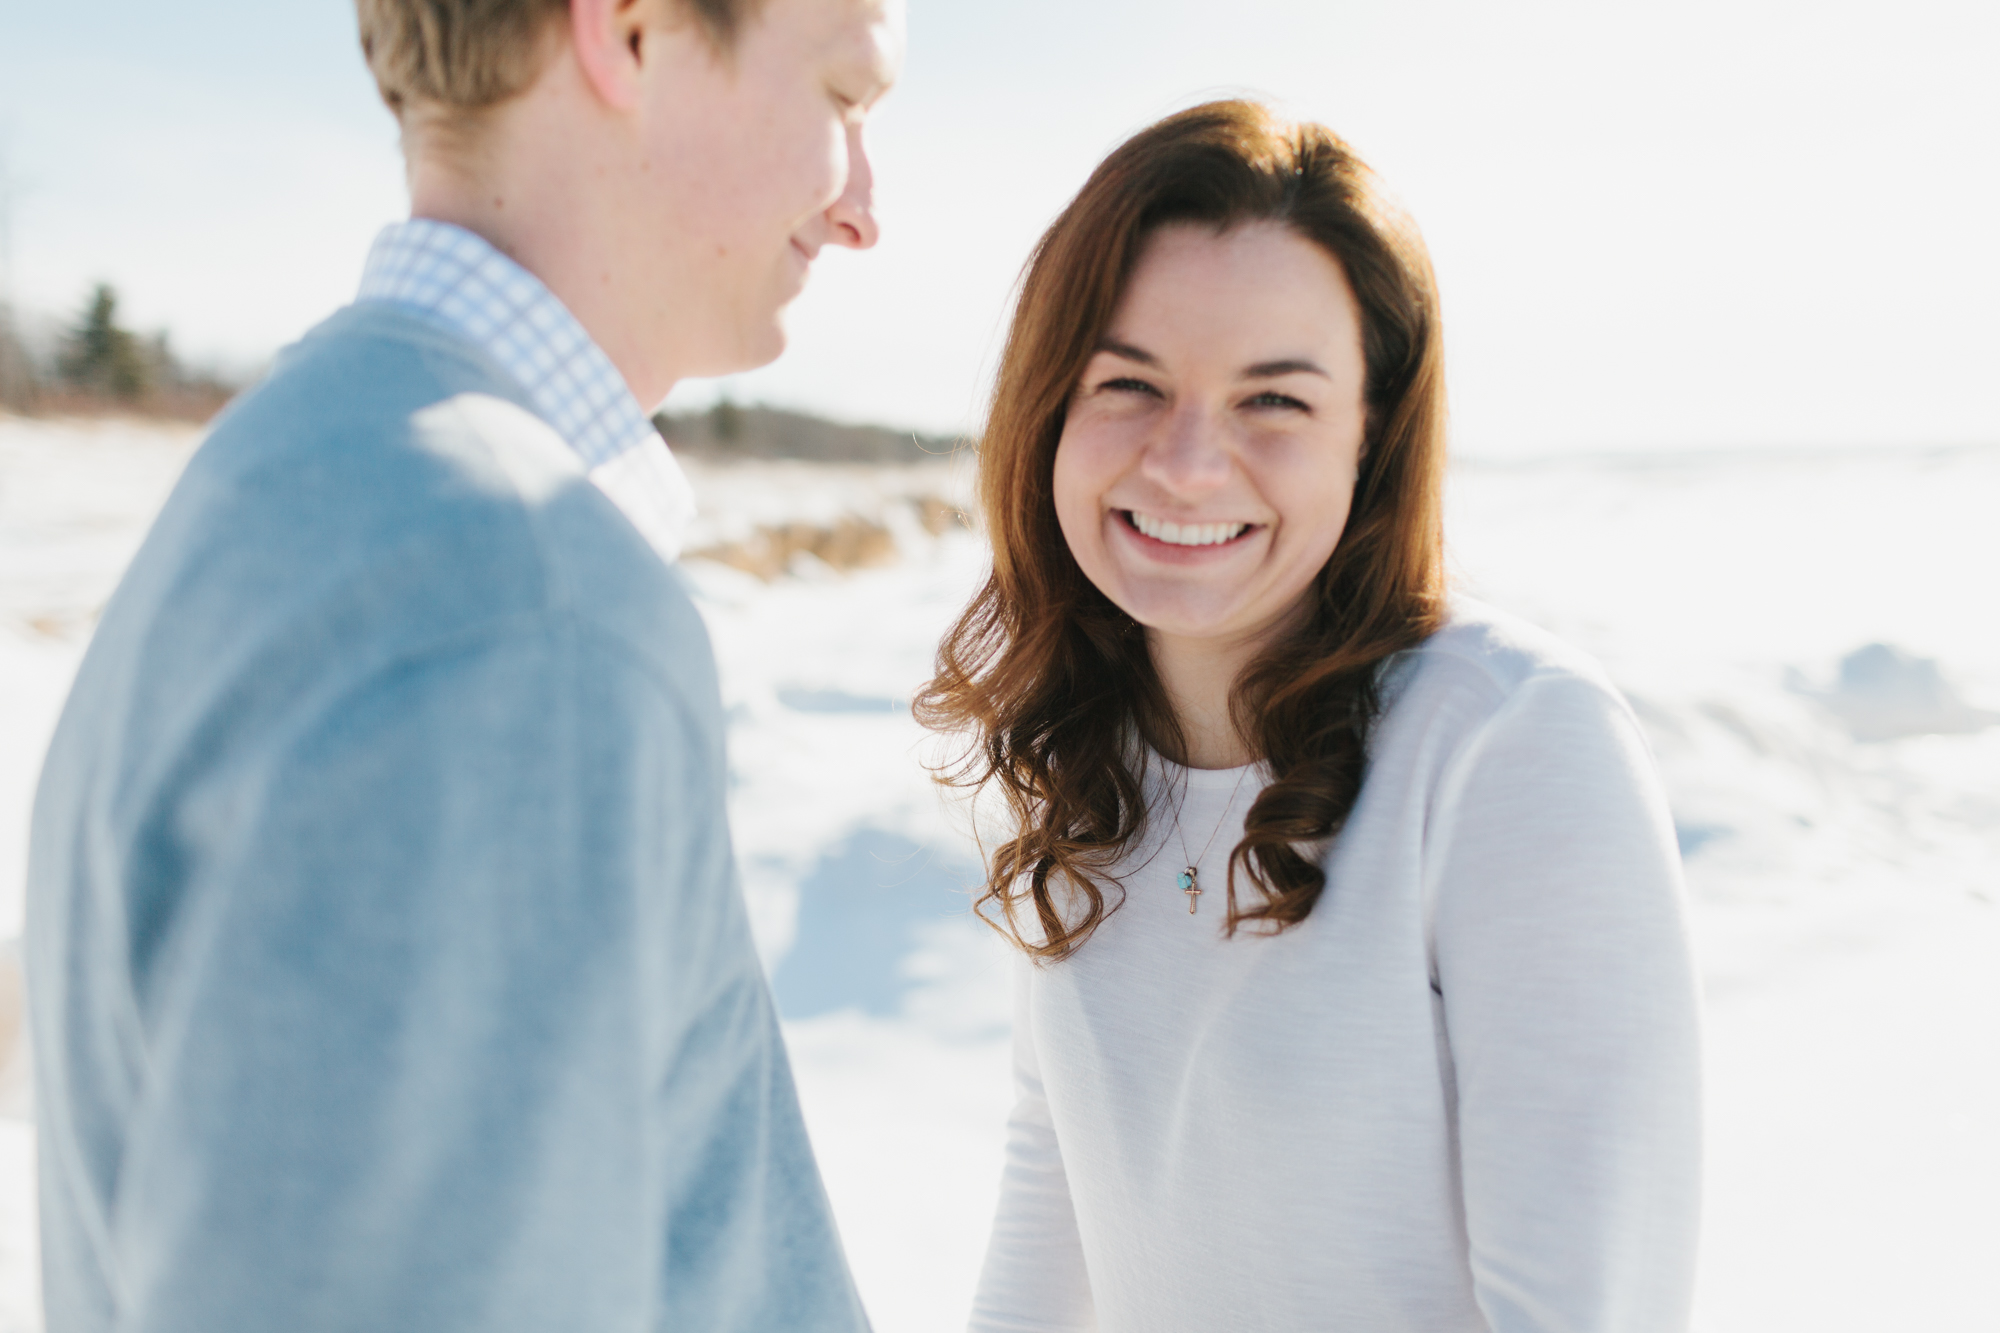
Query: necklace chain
[[1190, 878]]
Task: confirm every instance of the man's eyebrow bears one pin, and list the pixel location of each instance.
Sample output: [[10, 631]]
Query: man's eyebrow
[[882, 72], [1265, 370], [1128, 351], [881, 68], [866, 81]]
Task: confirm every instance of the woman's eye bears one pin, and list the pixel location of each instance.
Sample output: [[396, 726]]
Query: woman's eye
[[1125, 384], [1270, 398]]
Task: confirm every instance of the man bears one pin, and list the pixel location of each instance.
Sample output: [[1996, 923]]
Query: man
[[386, 964]]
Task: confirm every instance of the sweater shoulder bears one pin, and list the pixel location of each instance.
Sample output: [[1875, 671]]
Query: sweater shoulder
[[386, 449], [384, 495], [1485, 664], [1498, 654]]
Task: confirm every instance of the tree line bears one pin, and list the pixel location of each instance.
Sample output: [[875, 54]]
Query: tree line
[[98, 364], [728, 431]]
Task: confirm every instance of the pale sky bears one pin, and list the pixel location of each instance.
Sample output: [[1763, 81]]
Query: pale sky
[[1710, 223]]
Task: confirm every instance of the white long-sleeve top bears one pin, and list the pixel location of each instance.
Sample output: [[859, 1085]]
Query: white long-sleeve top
[[1462, 1095]]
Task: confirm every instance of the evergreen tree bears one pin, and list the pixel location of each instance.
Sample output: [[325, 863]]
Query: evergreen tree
[[725, 421], [17, 372], [102, 356]]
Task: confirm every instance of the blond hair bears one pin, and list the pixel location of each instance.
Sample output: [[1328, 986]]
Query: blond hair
[[467, 55]]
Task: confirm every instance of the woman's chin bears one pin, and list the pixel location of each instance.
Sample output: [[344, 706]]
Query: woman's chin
[[1192, 620], [1219, 618]]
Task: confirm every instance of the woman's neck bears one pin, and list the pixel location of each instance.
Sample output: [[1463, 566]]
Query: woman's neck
[[1198, 675]]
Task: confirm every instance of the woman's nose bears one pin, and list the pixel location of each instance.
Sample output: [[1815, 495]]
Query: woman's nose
[[1190, 455]]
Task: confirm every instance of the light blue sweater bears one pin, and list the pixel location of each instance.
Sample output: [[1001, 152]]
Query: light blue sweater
[[386, 962]]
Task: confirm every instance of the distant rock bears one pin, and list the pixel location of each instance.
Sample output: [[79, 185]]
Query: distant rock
[[1884, 693], [847, 544]]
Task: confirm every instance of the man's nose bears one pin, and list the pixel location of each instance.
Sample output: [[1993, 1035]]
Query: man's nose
[[1190, 456], [853, 214]]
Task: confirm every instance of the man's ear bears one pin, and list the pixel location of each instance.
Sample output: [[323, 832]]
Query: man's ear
[[606, 36]]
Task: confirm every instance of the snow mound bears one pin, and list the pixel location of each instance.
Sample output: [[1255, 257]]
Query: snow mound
[[1884, 693]]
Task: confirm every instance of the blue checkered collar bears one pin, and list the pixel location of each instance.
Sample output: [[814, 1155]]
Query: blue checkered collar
[[462, 281]]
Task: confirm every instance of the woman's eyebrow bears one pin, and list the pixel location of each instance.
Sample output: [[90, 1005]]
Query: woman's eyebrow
[[1128, 352], [1265, 370]]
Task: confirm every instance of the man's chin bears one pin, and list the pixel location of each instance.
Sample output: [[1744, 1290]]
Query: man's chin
[[750, 349], [767, 347]]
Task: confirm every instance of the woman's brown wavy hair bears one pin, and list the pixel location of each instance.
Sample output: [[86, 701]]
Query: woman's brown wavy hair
[[1049, 682]]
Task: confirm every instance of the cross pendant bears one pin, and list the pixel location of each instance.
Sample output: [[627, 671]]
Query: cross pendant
[[1190, 887]]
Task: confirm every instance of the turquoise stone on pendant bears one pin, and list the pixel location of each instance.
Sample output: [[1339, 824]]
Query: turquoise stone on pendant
[[1189, 887]]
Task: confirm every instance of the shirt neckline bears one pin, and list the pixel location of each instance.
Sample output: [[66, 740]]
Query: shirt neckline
[[1209, 779]]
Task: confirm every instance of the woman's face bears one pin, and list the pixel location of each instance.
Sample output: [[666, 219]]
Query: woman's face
[[1208, 458]]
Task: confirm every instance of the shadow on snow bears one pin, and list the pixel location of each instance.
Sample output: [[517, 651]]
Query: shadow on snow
[[863, 911]]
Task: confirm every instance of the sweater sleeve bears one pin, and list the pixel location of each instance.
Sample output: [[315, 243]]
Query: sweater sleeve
[[460, 1027], [1570, 1009], [1034, 1280]]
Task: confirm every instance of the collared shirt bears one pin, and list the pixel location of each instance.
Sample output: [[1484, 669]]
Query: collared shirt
[[463, 282]]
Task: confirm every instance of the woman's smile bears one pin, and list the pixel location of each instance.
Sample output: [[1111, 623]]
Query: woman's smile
[[1187, 534]]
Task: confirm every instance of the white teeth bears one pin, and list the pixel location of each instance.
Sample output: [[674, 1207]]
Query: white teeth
[[1189, 534]]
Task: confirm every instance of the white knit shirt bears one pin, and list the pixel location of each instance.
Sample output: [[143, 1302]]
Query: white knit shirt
[[1461, 1097]]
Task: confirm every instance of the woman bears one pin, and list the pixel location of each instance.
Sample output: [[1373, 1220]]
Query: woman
[[1358, 992]]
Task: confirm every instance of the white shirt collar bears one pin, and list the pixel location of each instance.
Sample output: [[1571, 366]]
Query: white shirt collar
[[463, 282]]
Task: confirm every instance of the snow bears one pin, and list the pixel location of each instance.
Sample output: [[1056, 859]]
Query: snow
[[1807, 637]]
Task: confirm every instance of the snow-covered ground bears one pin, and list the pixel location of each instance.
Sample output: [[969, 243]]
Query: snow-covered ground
[[1846, 890]]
